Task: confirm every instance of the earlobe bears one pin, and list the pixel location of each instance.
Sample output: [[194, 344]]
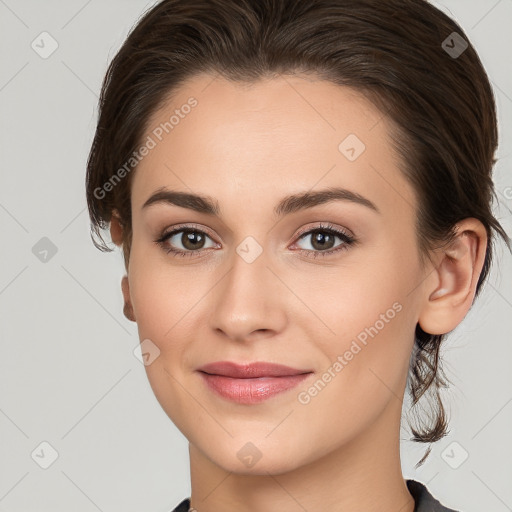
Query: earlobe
[[128, 308], [451, 287]]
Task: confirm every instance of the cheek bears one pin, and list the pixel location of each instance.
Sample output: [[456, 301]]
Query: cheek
[[163, 305], [370, 312], [160, 295], [365, 364], [353, 296]]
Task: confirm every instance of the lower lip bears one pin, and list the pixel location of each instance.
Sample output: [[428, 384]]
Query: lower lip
[[251, 391]]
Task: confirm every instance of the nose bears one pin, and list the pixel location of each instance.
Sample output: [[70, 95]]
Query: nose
[[250, 301]]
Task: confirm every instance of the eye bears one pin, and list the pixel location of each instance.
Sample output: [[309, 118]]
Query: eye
[[191, 239], [323, 240]]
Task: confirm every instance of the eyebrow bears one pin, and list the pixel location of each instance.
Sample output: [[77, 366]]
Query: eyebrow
[[289, 204]]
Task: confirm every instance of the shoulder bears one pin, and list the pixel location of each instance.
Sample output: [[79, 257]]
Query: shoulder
[[183, 506], [425, 502]]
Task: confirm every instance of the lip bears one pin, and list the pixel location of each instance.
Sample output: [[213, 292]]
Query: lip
[[251, 383], [250, 370]]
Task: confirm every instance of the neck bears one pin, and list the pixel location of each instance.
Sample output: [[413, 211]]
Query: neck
[[364, 474]]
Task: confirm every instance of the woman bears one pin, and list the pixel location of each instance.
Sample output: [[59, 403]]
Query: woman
[[302, 191]]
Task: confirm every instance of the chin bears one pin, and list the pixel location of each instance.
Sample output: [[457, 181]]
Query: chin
[[258, 457]]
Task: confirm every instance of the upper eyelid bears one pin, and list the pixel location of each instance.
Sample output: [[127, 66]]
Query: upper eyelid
[[187, 227], [325, 227], [304, 231]]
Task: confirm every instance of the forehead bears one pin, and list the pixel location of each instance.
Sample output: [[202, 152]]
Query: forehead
[[256, 142]]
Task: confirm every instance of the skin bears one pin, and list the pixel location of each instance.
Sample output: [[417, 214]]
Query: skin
[[247, 147]]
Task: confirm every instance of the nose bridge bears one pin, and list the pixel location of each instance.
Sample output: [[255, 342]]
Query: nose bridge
[[247, 299]]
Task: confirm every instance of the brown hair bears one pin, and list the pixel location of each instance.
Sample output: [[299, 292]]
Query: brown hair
[[401, 54]]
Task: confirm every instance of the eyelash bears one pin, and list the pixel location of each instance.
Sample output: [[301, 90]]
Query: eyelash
[[327, 228]]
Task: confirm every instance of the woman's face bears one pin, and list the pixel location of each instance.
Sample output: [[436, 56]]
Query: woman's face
[[258, 283]]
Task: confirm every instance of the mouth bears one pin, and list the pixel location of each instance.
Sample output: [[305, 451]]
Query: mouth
[[251, 370], [251, 383]]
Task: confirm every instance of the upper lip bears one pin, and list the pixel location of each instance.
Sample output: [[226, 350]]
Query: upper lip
[[250, 370]]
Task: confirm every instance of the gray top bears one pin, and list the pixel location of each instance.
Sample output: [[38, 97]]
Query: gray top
[[424, 501]]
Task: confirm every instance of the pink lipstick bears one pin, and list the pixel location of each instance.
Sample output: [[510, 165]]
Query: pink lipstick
[[251, 383]]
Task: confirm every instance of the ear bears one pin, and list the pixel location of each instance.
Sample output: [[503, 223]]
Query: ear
[[451, 287], [116, 230], [116, 233], [128, 308]]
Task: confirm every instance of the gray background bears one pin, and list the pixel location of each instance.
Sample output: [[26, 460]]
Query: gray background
[[68, 374]]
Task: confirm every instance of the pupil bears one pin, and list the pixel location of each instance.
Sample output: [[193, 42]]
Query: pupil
[[322, 240], [191, 240]]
